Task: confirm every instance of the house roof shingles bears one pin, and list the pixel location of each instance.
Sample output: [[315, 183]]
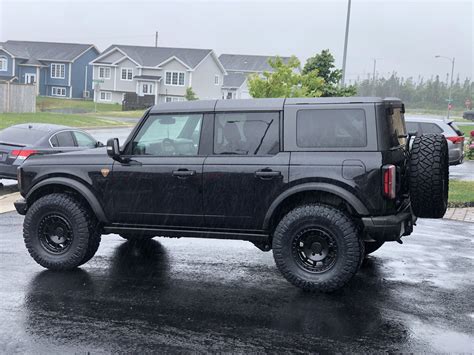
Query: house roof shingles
[[234, 80], [247, 63], [152, 56], [45, 50]]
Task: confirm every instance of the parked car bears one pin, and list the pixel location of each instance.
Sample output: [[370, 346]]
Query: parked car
[[468, 115], [452, 133], [19, 142], [323, 182]]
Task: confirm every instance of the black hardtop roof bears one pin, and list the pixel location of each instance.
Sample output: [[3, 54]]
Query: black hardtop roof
[[260, 104]]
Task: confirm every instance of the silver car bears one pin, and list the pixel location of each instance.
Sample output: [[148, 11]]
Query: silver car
[[452, 133]]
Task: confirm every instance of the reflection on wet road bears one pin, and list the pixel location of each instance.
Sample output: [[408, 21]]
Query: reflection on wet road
[[212, 295]]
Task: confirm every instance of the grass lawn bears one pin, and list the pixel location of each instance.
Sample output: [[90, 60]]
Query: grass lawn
[[461, 191], [9, 119], [51, 103], [466, 129]]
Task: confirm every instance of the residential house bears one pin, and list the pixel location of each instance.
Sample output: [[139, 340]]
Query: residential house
[[58, 69], [238, 68], [163, 72]]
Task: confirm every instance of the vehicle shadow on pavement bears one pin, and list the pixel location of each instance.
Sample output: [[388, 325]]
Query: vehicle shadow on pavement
[[136, 305]]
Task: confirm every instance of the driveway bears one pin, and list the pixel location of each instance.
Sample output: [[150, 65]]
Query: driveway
[[213, 295]]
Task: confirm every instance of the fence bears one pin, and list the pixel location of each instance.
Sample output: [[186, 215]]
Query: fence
[[17, 97], [132, 101]]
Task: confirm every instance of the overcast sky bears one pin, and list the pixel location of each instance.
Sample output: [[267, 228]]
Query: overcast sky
[[404, 35]]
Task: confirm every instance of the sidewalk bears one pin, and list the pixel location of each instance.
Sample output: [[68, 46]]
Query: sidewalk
[[6, 202], [460, 214]]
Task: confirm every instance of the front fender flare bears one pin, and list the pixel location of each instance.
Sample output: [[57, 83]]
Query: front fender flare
[[347, 196], [79, 187]]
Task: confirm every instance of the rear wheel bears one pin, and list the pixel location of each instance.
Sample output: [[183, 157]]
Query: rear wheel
[[57, 232], [429, 176], [317, 248]]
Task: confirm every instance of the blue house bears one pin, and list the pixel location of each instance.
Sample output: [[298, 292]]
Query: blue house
[[58, 69]]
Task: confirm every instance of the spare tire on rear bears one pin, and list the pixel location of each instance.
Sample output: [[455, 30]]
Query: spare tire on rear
[[429, 176]]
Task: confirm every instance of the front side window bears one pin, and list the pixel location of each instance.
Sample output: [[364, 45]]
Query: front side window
[[58, 71], [127, 74], [169, 135], [84, 140], [174, 78], [3, 64], [331, 128], [246, 133], [104, 73]]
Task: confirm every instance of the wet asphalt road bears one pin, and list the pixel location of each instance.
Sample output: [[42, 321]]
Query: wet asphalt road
[[205, 295]]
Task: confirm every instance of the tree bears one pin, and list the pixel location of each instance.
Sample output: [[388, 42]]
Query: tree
[[285, 81], [323, 63], [190, 94]]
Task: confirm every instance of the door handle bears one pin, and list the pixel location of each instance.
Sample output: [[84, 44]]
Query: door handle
[[267, 174], [183, 173]]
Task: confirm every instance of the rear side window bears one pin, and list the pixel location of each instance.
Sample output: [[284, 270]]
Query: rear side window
[[246, 133], [64, 139], [331, 128], [427, 128], [456, 129]]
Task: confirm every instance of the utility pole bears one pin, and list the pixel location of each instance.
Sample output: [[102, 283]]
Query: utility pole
[[450, 99], [156, 39], [373, 76], [346, 39]]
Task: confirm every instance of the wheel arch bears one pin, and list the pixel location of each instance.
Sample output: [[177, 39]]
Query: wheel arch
[[63, 184], [317, 192]]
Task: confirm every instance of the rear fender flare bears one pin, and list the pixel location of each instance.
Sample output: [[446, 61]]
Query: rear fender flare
[[347, 196]]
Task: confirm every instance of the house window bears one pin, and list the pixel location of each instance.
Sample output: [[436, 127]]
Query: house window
[[127, 74], [174, 98], [105, 96], [174, 78], [104, 73], [147, 89], [216, 79], [58, 91], [3, 64], [57, 70]]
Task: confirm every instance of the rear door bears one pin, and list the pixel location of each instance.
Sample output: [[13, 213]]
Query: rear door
[[245, 171]]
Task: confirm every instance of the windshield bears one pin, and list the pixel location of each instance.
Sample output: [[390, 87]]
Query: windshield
[[21, 136]]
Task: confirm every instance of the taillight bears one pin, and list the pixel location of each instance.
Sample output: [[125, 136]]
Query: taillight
[[456, 139], [22, 153], [389, 181]]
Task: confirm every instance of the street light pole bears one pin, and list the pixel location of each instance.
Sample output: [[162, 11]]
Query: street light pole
[[450, 99], [344, 58]]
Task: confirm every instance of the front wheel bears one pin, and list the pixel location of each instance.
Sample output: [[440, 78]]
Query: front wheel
[[317, 248], [58, 232]]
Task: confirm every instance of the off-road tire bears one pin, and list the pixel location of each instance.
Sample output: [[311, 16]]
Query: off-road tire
[[71, 210], [94, 240], [370, 247], [344, 233], [429, 176]]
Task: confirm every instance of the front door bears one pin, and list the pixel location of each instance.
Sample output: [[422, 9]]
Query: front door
[[30, 78], [246, 170], [160, 181]]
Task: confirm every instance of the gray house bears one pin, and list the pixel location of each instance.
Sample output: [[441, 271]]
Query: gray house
[[58, 69], [238, 68], [163, 72]]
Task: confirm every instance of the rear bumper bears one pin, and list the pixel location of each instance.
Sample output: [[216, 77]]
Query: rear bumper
[[8, 171], [389, 228], [20, 206]]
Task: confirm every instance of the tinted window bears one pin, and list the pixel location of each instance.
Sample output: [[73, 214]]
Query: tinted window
[[84, 140], [65, 139], [246, 133], [412, 127], [430, 128], [331, 128], [167, 135], [21, 136]]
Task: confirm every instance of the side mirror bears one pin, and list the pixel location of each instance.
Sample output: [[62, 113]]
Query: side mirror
[[113, 148]]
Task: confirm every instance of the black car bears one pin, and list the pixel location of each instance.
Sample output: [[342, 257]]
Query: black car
[[19, 142], [322, 182]]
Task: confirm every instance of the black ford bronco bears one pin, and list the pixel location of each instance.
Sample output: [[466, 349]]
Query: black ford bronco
[[321, 182]]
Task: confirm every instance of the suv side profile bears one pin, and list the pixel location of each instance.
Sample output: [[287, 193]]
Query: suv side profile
[[321, 182]]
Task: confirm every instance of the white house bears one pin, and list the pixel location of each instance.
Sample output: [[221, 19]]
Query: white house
[[163, 72]]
